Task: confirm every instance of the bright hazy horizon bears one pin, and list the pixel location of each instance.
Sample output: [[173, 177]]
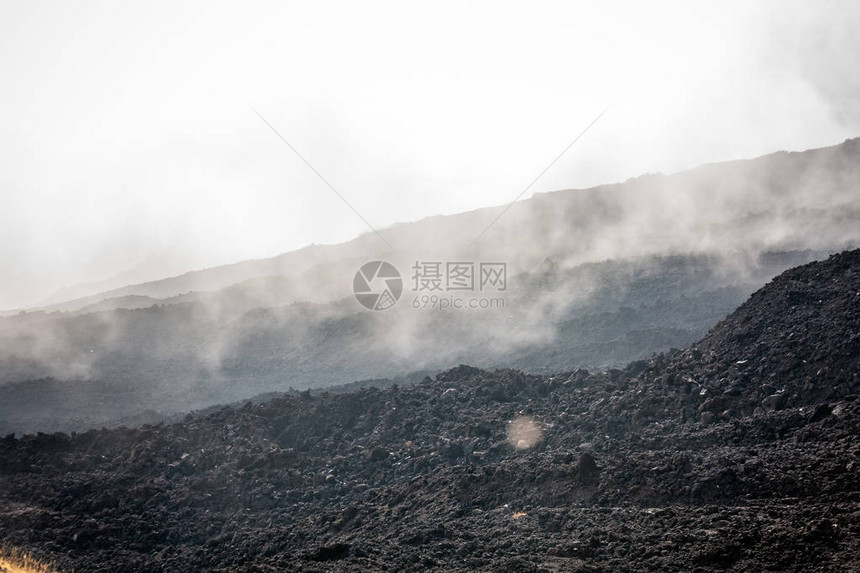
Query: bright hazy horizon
[[131, 140]]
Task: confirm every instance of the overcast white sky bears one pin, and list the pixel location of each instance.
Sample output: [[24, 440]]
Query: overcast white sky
[[128, 134]]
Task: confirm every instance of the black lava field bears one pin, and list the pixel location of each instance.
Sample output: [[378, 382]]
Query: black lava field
[[740, 452]]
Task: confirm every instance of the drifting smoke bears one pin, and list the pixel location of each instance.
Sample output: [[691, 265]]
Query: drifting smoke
[[589, 276]]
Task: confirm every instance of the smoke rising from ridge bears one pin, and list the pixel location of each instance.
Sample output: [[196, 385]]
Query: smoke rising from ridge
[[597, 277]]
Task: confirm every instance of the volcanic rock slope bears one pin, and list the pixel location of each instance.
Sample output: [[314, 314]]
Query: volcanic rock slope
[[739, 453]]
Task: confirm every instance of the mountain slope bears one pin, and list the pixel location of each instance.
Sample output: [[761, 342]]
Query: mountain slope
[[72, 372], [597, 278], [781, 201], [616, 470]]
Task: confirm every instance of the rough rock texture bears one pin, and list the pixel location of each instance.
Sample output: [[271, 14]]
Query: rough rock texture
[[740, 453]]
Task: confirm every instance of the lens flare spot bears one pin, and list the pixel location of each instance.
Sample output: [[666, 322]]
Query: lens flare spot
[[523, 433]]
